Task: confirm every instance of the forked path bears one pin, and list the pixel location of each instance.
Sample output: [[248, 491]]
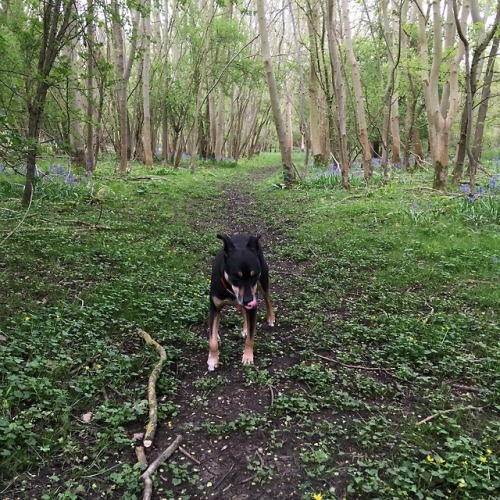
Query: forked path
[[226, 417]]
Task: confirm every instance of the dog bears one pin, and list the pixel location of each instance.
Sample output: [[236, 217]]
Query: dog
[[239, 270]]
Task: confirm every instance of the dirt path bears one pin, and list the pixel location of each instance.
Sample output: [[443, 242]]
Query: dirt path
[[226, 417]]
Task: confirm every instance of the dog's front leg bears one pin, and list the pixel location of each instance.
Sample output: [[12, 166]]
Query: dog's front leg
[[251, 322], [213, 338]]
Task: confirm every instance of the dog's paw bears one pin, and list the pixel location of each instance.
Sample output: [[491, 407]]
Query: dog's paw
[[247, 358], [244, 334], [271, 320], [212, 363]]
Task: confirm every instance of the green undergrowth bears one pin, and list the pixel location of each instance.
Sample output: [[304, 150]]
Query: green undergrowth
[[390, 315]]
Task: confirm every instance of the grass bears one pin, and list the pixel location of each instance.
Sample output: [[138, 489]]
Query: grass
[[397, 285]]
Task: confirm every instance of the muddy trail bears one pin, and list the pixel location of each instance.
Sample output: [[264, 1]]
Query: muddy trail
[[226, 417]]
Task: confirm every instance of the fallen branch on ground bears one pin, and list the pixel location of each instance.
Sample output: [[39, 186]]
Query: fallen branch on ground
[[148, 473], [451, 410], [188, 455], [141, 457], [354, 367], [153, 378]]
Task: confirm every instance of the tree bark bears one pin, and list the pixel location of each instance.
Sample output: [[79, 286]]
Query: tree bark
[[339, 92], [358, 94], [286, 153], [146, 65], [485, 99], [441, 112], [472, 78]]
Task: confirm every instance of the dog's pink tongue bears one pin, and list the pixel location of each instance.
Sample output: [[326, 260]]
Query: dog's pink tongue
[[252, 304]]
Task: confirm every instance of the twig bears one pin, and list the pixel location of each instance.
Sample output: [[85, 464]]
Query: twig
[[272, 395], [188, 455], [355, 367], [147, 474], [450, 410], [153, 378], [224, 477], [20, 222], [469, 388]]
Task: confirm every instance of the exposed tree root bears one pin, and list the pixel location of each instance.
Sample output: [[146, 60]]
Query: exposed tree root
[[148, 473], [153, 378]]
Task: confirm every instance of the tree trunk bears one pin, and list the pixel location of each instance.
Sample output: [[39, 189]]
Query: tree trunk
[[485, 99], [90, 89], [441, 112], [219, 130], [339, 92], [123, 69], [286, 153], [358, 94], [314, 98], [472, 79], [146, 65], [56, 22]]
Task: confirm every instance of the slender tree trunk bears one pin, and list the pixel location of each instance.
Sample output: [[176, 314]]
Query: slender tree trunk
[[485, 99], [123, 68], [286, 153], [201, 82], [339, 91], [146, 65], [314, 98], [221, 120], [358, 94], [472, 79], [441, 113], [90, 89], [56, 17]]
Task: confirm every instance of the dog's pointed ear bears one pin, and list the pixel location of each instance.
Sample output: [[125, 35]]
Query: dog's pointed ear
[[228, 244], [253, 242]]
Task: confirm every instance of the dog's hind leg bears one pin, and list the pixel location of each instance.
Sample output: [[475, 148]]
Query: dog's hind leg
[[264, 290], [252, 325], [213, 338]]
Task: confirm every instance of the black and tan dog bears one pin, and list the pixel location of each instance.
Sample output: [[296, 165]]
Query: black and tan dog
[[238, 271]]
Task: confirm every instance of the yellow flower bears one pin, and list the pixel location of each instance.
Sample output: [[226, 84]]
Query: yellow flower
[[98, 367], [27, 318], [441, 460], [429, 459], [489, 452], [483, 460], [462, 483], [87, 368], [317, 496]]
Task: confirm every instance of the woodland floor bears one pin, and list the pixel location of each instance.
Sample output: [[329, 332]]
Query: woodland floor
[[381, 324], [225, 458]]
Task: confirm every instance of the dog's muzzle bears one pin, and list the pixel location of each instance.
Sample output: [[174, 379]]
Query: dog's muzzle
[[251, 304]]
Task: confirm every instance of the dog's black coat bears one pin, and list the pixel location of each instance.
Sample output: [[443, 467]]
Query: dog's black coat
[[238, 270]]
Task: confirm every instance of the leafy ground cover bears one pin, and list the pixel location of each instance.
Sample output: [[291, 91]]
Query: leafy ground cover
[[380, 379]]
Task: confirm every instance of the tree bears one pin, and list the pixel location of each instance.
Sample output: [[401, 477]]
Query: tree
[[339, 92], [358, 94], [146, 65], [473, 74], [440, 80], [286, 153], [123, 69], [56, 23]]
